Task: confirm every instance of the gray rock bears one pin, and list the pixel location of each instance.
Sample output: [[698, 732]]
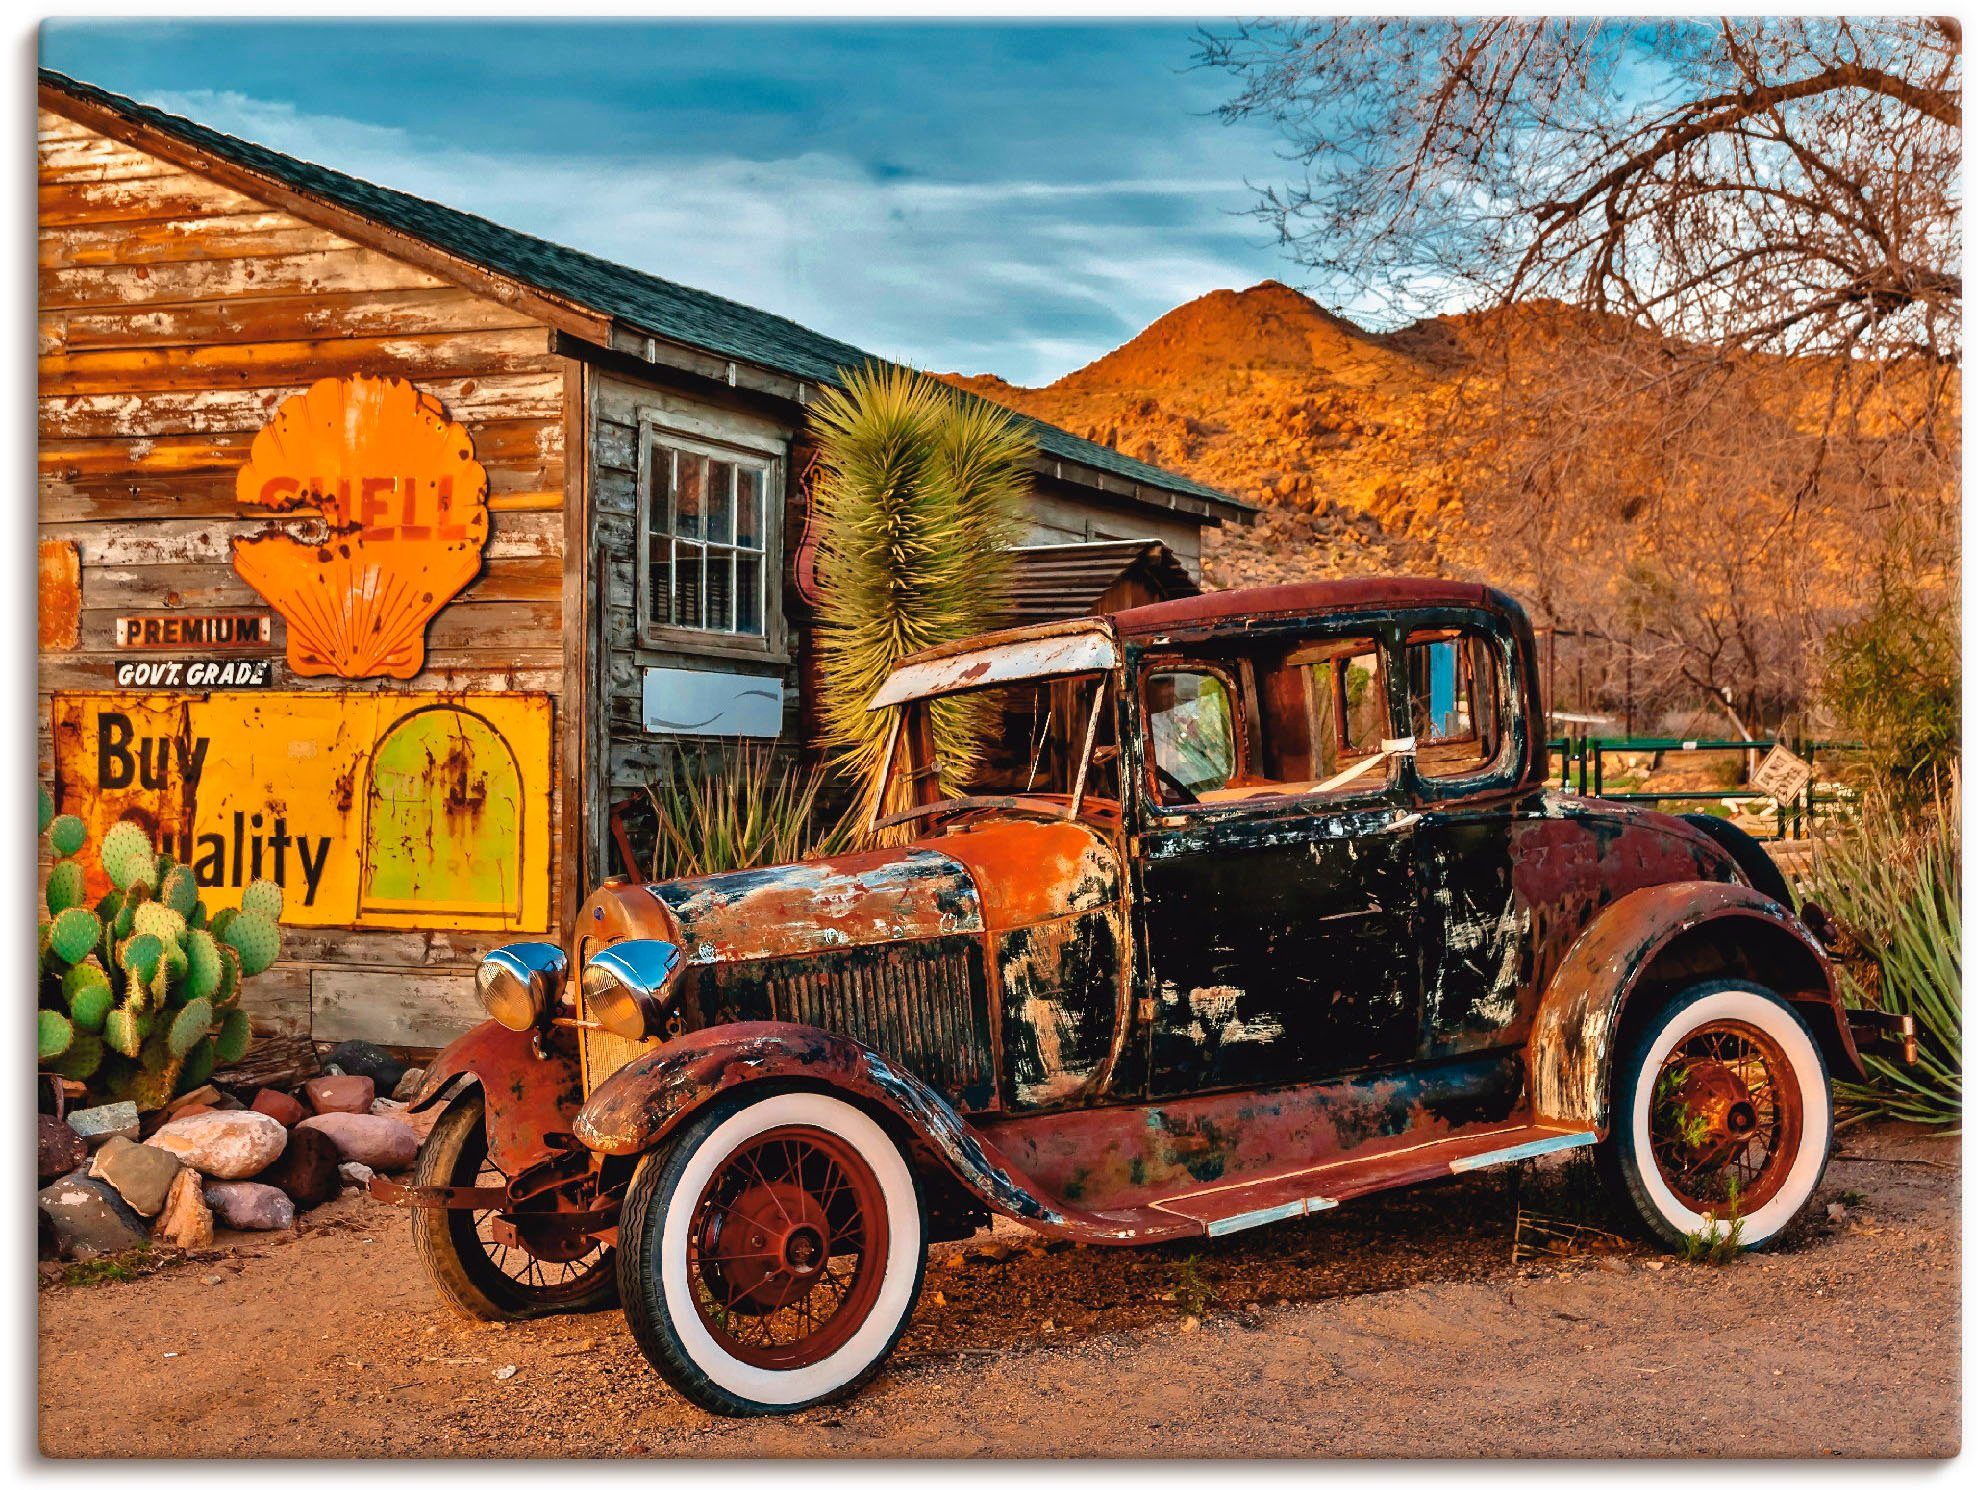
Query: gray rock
[[246, 1206], [111, 1120], [90, 1219], [224, 1145], [408, 1084], [140, 1172]]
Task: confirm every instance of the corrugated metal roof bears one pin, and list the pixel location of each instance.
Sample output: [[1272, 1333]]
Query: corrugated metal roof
[[655, 306], [1059, 580]]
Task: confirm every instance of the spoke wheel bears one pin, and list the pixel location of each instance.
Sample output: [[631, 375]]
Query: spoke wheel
[[1720, 1116], [1726, 1118], [476, 1271], [783, 1250], [770, 1251]]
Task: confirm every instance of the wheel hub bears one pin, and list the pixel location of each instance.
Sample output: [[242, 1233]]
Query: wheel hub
[[1718, 1113], [768, 1246]]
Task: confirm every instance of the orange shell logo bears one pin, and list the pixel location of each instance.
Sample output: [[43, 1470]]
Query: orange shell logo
[[405, 504]]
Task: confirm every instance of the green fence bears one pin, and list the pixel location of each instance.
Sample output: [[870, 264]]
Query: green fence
[[1586, 760]]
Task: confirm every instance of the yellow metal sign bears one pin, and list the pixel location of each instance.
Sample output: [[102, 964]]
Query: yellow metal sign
[[371, 809]]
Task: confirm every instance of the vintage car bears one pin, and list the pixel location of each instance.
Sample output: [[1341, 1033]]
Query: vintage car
[[1251, 903]]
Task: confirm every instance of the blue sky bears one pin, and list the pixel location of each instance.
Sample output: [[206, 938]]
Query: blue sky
[[1014, 198]]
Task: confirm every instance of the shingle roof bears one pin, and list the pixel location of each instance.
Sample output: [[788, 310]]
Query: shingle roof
[[649, 304], [1056, 581]]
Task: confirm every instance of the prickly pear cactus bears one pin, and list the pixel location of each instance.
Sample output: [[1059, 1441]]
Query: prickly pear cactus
[[140, 994]]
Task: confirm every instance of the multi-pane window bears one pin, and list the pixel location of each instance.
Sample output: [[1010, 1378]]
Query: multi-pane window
[[707, 533]]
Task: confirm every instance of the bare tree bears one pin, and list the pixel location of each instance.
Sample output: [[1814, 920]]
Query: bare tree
[[1721, 261], [1782, 184]]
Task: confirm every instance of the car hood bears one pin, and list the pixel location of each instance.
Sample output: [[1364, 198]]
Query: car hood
[[990, 877]]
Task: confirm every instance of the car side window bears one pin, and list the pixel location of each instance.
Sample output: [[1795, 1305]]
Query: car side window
[[1456, 692], [1270, 719], [1191, 732]]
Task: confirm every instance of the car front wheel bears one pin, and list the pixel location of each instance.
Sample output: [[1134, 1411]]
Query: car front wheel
[[771, 1252], [1722, 1117]]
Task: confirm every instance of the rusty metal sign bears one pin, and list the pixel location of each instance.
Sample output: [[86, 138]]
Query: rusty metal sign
[[60, 595], [371, 809], [402, 514], [201, 629]]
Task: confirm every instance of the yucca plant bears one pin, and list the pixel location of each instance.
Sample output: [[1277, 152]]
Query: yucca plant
[[915, 503], [1893, 886], [741, 807]]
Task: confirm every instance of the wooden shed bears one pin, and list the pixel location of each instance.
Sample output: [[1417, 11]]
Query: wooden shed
[[383, 548]]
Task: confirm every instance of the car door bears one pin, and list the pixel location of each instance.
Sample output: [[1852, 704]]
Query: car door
[[1274, 918], [1464, 713]]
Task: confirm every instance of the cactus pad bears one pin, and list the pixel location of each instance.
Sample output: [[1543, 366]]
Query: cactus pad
[[151, 1090], [229, 989], [230, 1044], [192, 1024], [120, 1031], [178, 890], [82, 1059], [64, 886], [264, 896], [56, 1034], [67, 834], [197, 1066], [74, 933], [202, 958], [47, 808], [257, 939], [127, 856], [220, 921], [155, 918], [141, 956]]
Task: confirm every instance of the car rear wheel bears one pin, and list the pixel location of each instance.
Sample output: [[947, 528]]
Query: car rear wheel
[[474, 1272], [1722, 1117], [771, 1252]]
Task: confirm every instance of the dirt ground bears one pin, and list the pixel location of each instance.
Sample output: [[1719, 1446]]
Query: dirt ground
[[1394, 1326]]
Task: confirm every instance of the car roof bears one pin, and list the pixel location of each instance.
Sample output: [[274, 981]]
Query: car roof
[[1308, 597]]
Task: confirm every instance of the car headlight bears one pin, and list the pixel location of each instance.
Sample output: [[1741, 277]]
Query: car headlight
[[626, 986], [517, 982]]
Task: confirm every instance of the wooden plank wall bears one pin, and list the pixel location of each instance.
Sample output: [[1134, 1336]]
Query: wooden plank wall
[[617, 404], [1058, 513], [175, 316]]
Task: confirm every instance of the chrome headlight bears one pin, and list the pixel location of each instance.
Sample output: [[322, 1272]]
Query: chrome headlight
[[517, 982], [626, 986]]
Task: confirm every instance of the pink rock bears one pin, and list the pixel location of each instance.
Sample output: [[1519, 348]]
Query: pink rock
[[246, 1206], [382, 1143], [340, 1093], [280, 1106], [224, 1145]]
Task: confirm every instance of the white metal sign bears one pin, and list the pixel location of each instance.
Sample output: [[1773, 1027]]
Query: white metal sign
[[1782, 776], [679, 701]]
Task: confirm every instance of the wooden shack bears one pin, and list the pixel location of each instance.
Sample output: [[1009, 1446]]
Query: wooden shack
[[565, 538]]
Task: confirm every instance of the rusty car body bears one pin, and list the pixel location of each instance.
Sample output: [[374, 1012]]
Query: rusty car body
[[1255, 902]]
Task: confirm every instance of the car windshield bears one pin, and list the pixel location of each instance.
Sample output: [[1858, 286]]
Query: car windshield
[[1026, 739]]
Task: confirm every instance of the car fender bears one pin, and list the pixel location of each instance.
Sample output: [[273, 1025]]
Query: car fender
[[531, 1093], [1665, 929], [639, 1104]]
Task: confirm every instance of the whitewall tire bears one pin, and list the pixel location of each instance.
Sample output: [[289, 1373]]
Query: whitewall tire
[[1721, 1111], [771, 1253]]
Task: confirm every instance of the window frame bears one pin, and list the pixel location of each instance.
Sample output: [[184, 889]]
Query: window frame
[[1505, 770], [657, 433]]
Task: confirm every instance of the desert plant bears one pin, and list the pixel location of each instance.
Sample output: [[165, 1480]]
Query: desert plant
[[1893, 678], [741, 807], [915, 500], [140, 995], [1893, 887], [1721, 1238]]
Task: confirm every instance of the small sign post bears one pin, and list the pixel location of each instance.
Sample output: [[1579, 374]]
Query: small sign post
[[1782, 776]]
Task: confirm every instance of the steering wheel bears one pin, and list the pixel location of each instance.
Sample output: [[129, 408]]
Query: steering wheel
[[1172, 783]]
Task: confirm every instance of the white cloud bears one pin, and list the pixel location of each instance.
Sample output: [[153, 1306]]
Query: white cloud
[[1026, 278]]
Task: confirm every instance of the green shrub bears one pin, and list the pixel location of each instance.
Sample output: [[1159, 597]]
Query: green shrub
[[1893, 679], [741, 807], [1893, 887]]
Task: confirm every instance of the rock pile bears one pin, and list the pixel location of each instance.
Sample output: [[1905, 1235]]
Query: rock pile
[[252, 1161]]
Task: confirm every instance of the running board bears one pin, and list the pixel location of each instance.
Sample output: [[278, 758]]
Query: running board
[[1321, 1187]]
